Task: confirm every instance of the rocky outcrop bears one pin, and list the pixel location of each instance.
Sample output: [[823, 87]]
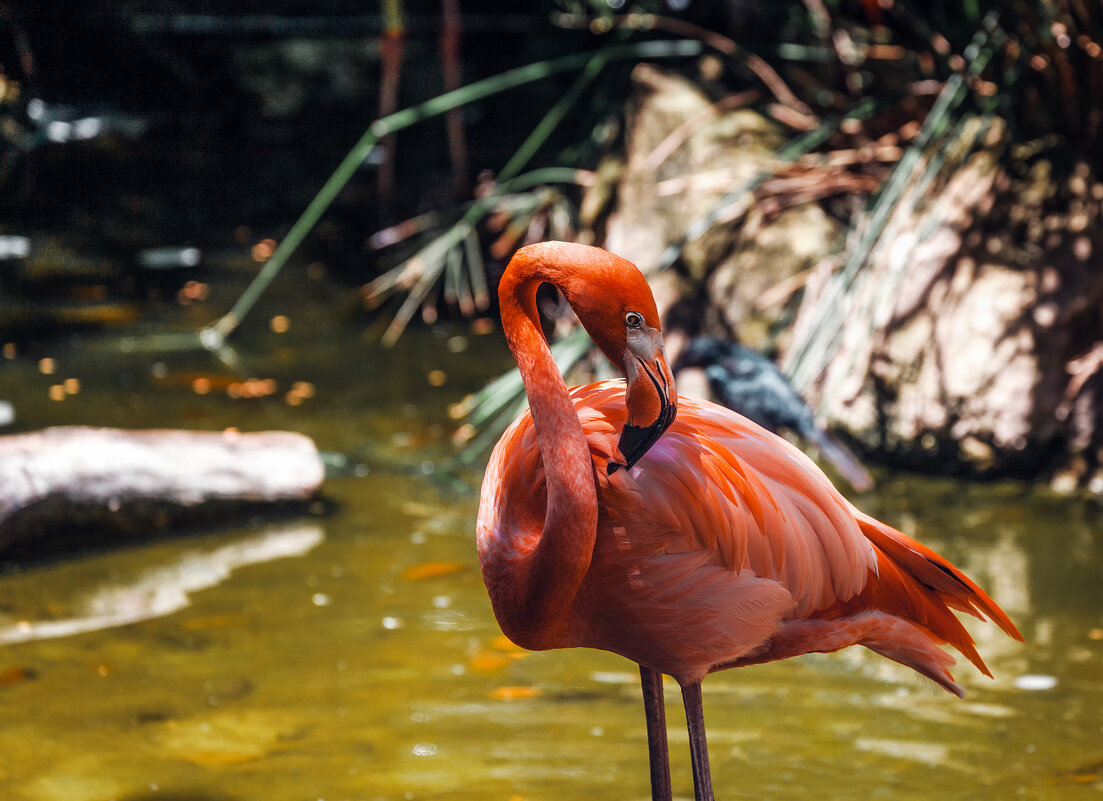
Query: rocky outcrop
[[998, 304], [972, 339], [683, 152]]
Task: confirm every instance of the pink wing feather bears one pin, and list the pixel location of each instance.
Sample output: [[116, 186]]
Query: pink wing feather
[[725, 545]]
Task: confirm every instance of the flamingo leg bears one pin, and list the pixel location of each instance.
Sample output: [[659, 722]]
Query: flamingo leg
[[698, 748], [655, 710]]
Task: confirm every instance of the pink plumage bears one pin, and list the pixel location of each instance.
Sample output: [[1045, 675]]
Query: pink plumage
[[720, 540], [677, 533]]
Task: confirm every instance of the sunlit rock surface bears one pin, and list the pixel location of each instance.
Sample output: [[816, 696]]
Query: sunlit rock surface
[[985, 355], [971, 339], [684, 152]]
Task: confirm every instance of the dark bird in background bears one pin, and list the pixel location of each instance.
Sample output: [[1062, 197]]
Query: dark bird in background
[[747, 382]]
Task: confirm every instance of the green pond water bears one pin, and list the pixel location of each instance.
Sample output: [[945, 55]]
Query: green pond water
[[351, 653]]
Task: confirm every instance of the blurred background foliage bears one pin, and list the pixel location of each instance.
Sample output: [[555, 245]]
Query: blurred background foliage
[[133, 131]]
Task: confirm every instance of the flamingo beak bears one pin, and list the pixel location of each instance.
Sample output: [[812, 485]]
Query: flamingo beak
[[651, 398]]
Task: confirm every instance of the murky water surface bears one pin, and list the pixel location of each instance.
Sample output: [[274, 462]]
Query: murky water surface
[[353, 655]]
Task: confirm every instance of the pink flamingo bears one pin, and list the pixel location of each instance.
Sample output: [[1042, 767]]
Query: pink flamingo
[[688, 543]]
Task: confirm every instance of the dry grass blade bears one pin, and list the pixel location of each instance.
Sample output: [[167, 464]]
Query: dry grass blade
[[734, 202], [464, 299], [429, 304], [718, 42], [445, 255], [475, 266], [400, 232], [451, 292], [815, 340], [428, 265], [410, 273], [680, 135]]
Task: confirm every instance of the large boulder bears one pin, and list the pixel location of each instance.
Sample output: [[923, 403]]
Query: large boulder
[[683, 152], [972, 339], [971, 364]]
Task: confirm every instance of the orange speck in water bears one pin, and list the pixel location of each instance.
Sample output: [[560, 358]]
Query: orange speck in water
[[193, 291], [252, 388], [280, 324], [436, 378], [514, 693], [503, 643], [201, 386], [433, 570], [488, 662], [263, 250], [57, 392], [9, 350], [15, 675], [71, 385], [483, 325], [47, 366], [304, 388]]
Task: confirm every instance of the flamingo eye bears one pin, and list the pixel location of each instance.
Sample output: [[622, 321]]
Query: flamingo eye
[[633, 319]]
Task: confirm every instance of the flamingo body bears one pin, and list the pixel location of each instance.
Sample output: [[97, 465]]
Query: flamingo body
[[678, 533], [725, 545]]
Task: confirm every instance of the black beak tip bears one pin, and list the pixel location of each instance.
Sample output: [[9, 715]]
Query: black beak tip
[[634, 443]]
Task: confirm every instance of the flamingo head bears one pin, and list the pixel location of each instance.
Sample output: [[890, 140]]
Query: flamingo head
[[652, 398], [614, 303]]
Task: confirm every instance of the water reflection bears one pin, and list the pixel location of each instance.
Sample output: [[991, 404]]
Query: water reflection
[[369, 665], [156, 591], [398, 682]]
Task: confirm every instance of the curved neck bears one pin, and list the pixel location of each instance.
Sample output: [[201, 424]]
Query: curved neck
[[556, 566]]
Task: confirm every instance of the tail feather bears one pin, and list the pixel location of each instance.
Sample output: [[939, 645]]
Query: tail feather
[[910, 645], [900, 593], [916, 586], [953, 587], [905, 612], [890, 636]]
